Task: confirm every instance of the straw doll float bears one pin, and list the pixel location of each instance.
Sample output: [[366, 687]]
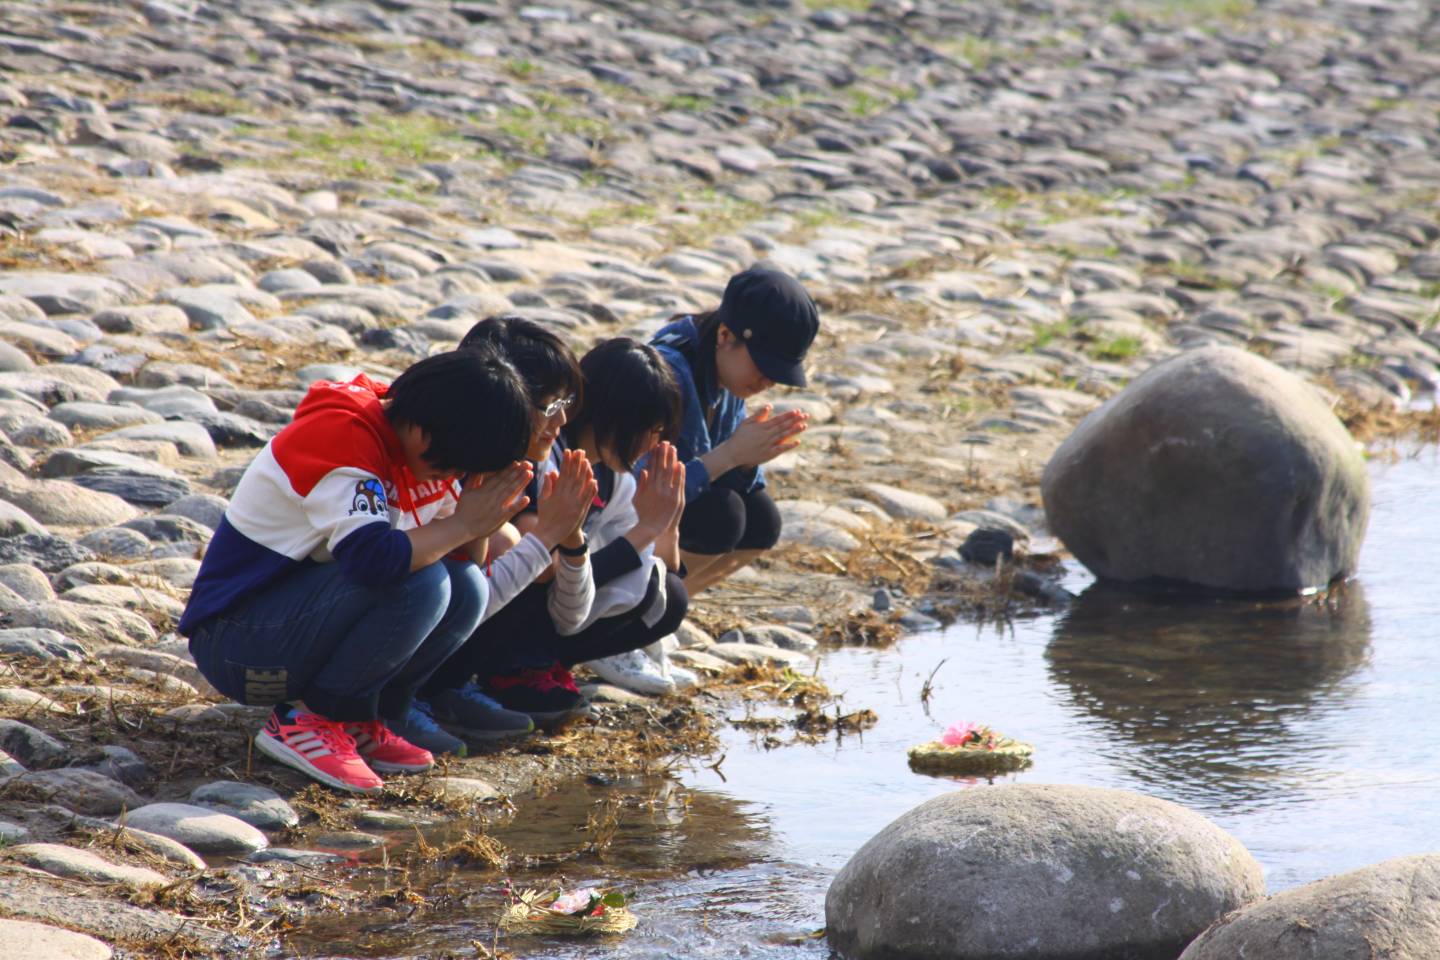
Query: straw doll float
[[573, 913], [971, 748]]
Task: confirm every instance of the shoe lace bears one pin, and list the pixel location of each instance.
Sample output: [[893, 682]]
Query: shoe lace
[[331, 732], [471, 693], [422, 716], [563, 678], [537, 678]]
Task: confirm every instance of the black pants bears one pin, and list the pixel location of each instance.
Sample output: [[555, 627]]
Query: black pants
[[521, 635], [721, 521]]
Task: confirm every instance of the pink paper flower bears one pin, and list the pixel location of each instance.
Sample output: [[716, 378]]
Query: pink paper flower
[[960, 733], [574, 901]]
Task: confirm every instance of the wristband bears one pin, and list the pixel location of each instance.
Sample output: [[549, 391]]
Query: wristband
[[579, 551]]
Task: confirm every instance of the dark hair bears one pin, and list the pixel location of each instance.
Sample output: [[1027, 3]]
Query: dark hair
[[472, 403], [543, 359], [707, 328], [629, 391]]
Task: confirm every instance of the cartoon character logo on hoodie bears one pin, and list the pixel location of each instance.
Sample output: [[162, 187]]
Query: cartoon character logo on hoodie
[[369, 498]]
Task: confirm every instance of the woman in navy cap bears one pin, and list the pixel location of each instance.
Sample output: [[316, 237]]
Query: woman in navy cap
[[757, 338]]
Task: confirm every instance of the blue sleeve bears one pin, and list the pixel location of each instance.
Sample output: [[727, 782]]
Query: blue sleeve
[[374, 555], [694, 439]]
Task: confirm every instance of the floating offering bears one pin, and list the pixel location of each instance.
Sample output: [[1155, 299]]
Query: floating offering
[[971, 748], [573, 913]]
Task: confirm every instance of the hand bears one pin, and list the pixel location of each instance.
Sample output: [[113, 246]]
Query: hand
[[761, 437], [565, 499], [659, 496], [491, 500]]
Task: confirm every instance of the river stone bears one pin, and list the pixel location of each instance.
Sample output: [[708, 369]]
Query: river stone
[[460, 788], [256, 805], [192, 439], [21, 938], [47, 552], [1215, 468], [11, 832], [26, 581], [14, 521], [776, 635], [137, 488], [199, 828], [31, 747], [79, 413], [203, 508], [83, 791], [1040, 871], [117, 543], [906, 504], [86, 622], [1389, 909], [41, 643], [78, 864], [62, 503]]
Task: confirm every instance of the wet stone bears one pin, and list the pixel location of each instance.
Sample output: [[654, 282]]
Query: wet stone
[[775, 635], [460, 788], [256, 805], [199, 828], [349, 840], [309, 858]]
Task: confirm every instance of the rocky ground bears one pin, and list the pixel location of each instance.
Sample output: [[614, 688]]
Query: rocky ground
[[1006, 211]]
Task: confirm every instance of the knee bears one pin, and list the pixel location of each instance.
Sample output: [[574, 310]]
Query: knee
[[429, 586], [469, 593], [762, 523], [714, 523], [677, 604]]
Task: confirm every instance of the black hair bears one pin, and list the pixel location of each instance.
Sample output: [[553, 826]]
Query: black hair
[[629, 391], [707, 329], [543, 359], [473, 404]]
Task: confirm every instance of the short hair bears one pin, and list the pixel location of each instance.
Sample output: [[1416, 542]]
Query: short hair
[[473, 404], [629, 391], [543, 359]]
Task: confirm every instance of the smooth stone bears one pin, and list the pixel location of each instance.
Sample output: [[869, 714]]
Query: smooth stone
[[904, 504], [77, 864], [31, 747], [1067, 872], [162, 528], [86, 623], [199, 828], [11, 832], [125, 597], [79, 460], [62, 503], [1388, 909], [14, 522], [163, 847], [144, 930], [26, 581], [348, 840], [145, 491], [177, 571], [192, 439], [309, 858], [41, 643], [13, 359], [83, 791], [40, 941], [94, 571], [28, 700], [256, 805], [56, 293], [775, 635], [101, 415], [819, 535], [203, 508], [168, 401], [117, 543], [117, 763], [1215, 468], [149, 319]]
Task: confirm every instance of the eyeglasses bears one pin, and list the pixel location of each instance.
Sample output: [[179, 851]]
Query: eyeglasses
[[556, 407]]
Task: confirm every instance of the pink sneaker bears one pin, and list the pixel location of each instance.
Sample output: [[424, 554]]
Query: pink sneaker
[[386, 750], [317, 747]]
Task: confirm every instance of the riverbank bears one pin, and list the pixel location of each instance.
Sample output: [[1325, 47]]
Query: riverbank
[[1005, 214]]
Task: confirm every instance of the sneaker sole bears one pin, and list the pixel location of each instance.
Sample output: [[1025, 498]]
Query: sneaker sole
[[466, 733], [280, 753], [380, 766], [558, 718]]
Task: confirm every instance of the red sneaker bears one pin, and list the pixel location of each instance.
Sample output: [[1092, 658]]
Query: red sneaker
[[317, 747], [387, 751], [547, 694]]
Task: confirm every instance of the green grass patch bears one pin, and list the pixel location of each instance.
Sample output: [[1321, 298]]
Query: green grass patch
[[976, 52], [521, 68], [554, 113], [850, 6], [1116, 348], [1048, 333], [379, 144], [688, 103]]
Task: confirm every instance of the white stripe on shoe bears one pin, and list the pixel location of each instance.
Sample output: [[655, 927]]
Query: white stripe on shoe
[[278, 751]]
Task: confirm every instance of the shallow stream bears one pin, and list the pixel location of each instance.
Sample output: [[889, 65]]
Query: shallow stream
[[1307, 728]]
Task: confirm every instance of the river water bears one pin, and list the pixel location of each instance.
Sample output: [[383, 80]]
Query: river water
[[1308, 728]]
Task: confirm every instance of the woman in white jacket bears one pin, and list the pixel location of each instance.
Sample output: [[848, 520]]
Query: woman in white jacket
[[522, 654]]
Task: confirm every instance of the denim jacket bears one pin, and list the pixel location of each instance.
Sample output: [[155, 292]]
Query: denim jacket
[[700, 433]]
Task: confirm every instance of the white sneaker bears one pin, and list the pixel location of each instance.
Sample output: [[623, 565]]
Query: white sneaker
[[659, 651], [633, 671]]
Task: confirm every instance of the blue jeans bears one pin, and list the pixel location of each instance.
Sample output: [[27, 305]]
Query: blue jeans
[[350, 651]]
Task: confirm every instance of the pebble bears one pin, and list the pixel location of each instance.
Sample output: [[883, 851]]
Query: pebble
[[256, 805], [199, 828], [460, 788]]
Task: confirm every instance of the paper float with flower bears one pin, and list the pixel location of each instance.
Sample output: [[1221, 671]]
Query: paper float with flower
[[971, 748], [569, 913]]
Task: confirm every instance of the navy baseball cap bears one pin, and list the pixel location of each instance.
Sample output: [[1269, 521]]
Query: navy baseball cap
[[775, 318]]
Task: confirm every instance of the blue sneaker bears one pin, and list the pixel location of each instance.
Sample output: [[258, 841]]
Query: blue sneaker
[[467, 711], [419, 727]]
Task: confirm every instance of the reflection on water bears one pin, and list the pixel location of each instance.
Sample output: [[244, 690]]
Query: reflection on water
[[1215, 691], [1308, 729]]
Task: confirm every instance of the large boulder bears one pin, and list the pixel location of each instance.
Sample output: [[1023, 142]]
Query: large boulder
[[1041, 872], [1390, 909], [1215, 468]]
